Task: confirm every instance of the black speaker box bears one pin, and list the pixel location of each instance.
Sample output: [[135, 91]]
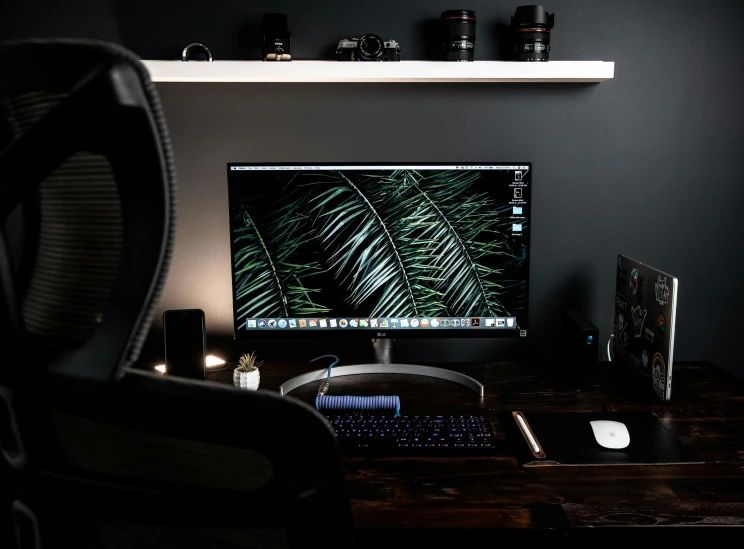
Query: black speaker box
[[578, 348]]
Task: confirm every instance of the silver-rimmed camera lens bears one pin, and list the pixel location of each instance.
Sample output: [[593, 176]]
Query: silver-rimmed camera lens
[[370, 46]]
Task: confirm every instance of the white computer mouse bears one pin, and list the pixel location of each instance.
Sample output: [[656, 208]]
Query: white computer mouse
[[610, 434]]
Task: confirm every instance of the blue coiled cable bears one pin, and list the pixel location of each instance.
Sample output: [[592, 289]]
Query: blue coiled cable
[[348, 402]]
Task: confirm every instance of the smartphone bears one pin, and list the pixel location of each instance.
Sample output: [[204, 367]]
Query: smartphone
[[185, 346]]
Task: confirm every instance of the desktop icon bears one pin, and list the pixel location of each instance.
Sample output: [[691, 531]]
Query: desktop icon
[[272, 323], [332, 322], [455, 322], [522, 333], [313, 322], [516, 227], [490, 322], [424, 322], [354, 322], [363, 322], [414, 323], [292, 323], [475, 322], [435, 322], [517, 193], [500, 322], [464, 322], [373, 323], [404, 323], [383, 323], [510, 322], [343, 323], [323, 323], [282, 323], [517, 175], [250, 323], [516, 210], [303, 323], [393, 322], [445, 323], [262, 323]]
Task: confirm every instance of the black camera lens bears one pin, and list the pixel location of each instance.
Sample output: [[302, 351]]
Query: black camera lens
[[458, 35], [531, 32], [370, 47]]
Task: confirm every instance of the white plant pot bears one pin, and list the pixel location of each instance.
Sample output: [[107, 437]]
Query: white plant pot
[[246, 380]]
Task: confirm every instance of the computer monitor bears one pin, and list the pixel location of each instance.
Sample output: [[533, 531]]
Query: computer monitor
[[380, 251]]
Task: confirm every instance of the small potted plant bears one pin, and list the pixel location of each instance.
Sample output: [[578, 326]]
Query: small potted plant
[[246, 374]]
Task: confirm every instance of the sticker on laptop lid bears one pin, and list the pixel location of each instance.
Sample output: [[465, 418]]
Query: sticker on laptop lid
[[620, 338], [622, 273], [634, 280], [658, 373], [636, 284], [638, 319], [661, 324], [662, 290]]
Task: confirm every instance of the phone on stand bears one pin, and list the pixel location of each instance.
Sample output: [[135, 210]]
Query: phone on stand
[[185, 343]]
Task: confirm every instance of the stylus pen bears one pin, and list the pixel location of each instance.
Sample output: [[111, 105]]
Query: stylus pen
[[527, 433]]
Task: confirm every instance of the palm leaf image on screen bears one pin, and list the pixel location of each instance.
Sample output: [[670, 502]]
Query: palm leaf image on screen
[[270, 281], [361, 227], [464, 229], [409, 244]]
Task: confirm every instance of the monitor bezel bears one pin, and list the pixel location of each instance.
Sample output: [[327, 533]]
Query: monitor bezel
[[370, 333]]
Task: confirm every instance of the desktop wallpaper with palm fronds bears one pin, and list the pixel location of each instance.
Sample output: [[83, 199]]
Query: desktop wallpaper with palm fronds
[[377, 243]]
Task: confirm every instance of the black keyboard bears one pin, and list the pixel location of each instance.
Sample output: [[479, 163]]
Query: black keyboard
[[360, 433]]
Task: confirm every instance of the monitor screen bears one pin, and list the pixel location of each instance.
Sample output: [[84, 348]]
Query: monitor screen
[[380, 250]]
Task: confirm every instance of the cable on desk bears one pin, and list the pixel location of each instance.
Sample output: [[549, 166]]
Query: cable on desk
[[349, 402], [324, 386]]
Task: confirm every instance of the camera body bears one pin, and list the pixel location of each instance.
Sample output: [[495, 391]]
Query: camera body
[[370, 47], [276, 38]]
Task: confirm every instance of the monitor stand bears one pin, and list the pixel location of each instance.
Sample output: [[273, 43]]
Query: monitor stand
[[384, 365]]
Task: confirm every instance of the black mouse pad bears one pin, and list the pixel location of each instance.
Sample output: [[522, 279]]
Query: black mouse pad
[[568, 439]]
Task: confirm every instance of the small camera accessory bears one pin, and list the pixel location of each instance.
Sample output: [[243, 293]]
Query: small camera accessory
[[458, 35], [276, 38], [199, 48], [370, 47], [531, 33]]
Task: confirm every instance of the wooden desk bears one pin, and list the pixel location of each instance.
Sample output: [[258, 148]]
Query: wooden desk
[[461, 499]]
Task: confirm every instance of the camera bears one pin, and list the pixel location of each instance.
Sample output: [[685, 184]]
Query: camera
[[369, 47]]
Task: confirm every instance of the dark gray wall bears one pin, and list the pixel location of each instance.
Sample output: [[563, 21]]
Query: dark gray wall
[[93, 19], [647, 164]]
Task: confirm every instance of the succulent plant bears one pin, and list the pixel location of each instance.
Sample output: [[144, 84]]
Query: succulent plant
[[247, 363]]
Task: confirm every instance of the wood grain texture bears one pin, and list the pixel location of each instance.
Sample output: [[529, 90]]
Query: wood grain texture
[[464, 498]]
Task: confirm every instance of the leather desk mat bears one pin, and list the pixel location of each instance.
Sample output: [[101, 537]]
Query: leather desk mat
[[567, 439]]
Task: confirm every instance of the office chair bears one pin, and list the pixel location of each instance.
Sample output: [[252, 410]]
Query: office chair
[[95, 452]]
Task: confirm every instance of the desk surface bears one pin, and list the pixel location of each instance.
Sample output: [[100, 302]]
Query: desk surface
[[458, 496]]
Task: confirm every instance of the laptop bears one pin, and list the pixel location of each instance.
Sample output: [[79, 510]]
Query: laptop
[[645, 313]]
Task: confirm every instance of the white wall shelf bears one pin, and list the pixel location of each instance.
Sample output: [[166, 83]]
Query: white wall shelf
[[402, 71]]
